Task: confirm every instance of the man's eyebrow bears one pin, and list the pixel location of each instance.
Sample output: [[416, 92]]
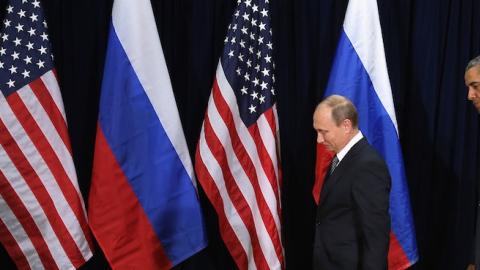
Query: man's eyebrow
[[474, 82]]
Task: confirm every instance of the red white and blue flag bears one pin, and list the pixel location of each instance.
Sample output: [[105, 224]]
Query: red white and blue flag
[[236, 159], [360, 73], [143, 206], [43, 222]]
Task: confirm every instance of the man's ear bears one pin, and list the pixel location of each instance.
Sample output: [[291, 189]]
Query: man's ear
[[347, 125]]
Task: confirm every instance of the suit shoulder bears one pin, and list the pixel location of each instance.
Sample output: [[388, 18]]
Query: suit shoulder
[[370, 162], [369, 154]]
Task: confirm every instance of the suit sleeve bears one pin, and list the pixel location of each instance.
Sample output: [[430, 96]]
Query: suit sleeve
[[371, 192]]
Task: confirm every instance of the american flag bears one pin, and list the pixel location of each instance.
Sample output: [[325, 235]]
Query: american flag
[[43, 222], [236, 158]]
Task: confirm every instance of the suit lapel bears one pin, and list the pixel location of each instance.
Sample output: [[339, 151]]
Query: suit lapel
[[331, 180]]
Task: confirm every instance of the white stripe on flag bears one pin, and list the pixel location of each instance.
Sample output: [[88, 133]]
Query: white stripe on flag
[[145, 53], [16, 230], [357, 26], [268, 138], [51, 84]]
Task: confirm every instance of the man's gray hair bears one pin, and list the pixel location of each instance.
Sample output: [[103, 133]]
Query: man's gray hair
[[342, 108], [473, 63]]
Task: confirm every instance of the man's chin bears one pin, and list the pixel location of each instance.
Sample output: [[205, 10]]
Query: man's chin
[[476, 104], [329, 148]]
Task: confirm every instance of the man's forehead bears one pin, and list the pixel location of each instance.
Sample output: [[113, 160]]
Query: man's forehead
[[324, 109], [472, 75], [474, 71]]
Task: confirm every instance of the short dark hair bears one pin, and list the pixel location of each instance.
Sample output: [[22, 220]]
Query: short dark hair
[[473, 63], [342, 108]]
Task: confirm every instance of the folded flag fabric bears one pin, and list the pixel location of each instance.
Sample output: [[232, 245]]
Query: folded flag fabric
[[143, 206], [236, 160], [43, 222]]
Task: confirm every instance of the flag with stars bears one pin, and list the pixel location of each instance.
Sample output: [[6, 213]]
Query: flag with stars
[[43, 223], [237, 158]]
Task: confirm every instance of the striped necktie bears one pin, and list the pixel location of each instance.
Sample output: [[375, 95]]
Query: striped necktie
[[335, 162]]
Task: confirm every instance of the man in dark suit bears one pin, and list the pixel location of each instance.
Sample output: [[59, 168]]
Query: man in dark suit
[[472, 81], [352, 223]]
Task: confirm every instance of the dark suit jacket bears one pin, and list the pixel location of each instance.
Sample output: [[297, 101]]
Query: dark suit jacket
[[353, 223]]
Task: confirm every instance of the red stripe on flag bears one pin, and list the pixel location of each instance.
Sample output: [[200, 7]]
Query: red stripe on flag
[[42, 195], [249, 168], [53, 163], [116, 211], [271, 119], [29, 226], [48, 104], [397, 259], [228, 235], [270, 116], [12, 247], [234, 192]]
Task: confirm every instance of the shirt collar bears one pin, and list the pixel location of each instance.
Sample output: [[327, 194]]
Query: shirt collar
[[342, 153]]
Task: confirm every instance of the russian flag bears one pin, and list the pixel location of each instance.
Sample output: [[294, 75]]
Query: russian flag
[[143, 205], [360, 73]]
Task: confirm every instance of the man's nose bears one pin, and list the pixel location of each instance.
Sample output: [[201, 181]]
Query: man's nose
[[471, 93], [320, 138]]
